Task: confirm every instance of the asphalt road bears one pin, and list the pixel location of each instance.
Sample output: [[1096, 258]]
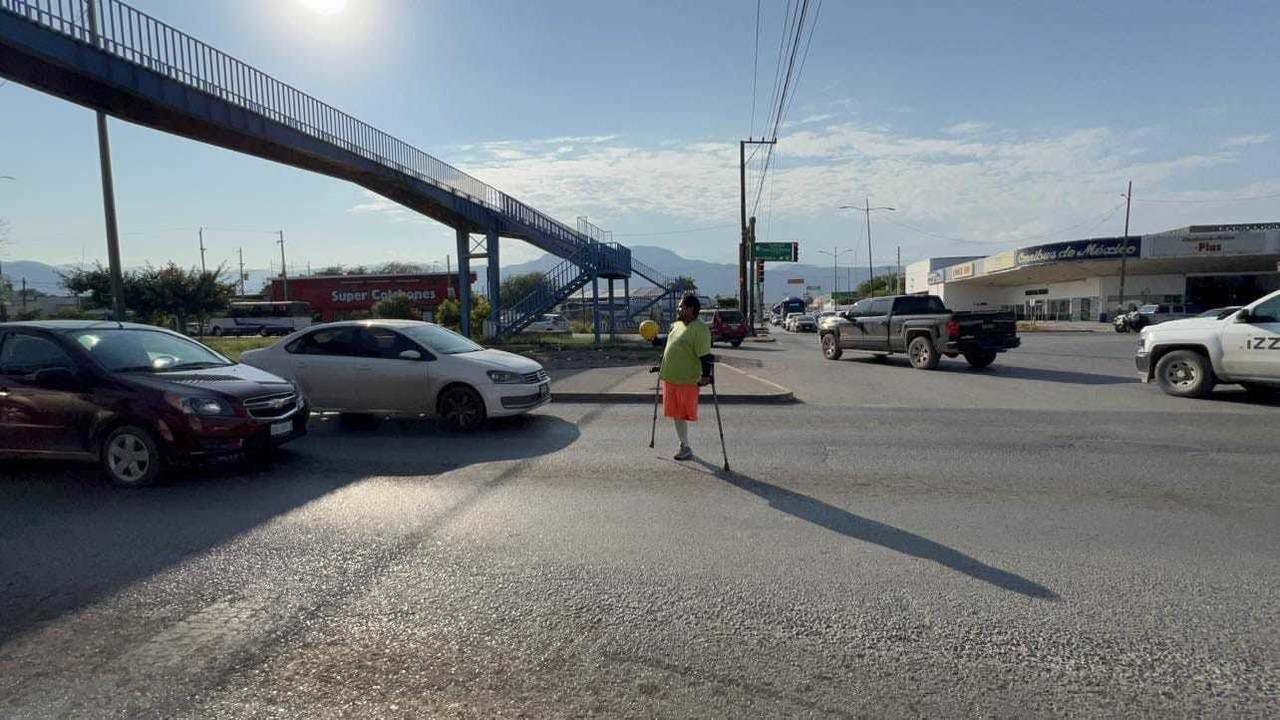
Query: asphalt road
[[1048, 537]]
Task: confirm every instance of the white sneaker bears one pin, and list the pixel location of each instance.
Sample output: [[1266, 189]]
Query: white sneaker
[[686, 453]]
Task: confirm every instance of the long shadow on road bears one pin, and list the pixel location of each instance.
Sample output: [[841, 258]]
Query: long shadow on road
[[1069, 377], [68, 540], [861, 528]]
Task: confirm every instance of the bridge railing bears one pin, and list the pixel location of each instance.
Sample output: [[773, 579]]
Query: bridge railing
[[139, 38]]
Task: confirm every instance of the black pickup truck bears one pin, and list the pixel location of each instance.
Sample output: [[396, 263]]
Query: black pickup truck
[[922, 327]]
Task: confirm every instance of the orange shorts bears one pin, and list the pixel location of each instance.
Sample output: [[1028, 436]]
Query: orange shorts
[[679, 401]]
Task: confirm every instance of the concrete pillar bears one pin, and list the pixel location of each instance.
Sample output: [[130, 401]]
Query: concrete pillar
[[494, 274], [595, 307], [464, 281], [626, 299], [613, 313]]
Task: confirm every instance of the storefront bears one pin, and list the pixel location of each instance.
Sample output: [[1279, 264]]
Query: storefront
[[352, 297], [1202, 266]]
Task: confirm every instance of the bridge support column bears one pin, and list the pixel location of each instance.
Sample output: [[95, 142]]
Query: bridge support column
[[613, 313], [464, 281], [494, 278], [595, 307], [626, 300]]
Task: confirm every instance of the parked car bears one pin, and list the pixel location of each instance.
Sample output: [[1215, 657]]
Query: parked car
[[1153, 314], [727, 326], [1188, 357], [405, 367], [922, 327], [134, 398], [788, 321], [549, 323]]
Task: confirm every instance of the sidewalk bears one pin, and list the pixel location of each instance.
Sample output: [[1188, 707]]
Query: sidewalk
[[635, 384], [1063, 326]]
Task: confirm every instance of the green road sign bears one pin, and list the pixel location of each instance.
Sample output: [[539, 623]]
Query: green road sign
[[778, 251]]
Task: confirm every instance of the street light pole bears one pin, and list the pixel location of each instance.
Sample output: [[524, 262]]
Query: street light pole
[[108, 192], [866, 208], [284, 269], [203, 269]]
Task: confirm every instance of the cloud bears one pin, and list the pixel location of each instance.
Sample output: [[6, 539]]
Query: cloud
[[951, 188], [1243, 140], [815, 118], [969, 127]]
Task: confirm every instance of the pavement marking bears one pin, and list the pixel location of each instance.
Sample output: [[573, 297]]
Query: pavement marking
[[753, 377]]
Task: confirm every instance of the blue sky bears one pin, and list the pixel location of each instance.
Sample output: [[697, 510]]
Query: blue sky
[[987, 126]]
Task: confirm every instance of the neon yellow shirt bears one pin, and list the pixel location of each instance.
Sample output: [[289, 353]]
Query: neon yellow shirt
[[685, 344]]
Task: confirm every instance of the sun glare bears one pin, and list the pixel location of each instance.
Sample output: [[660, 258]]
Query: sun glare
[[326, 8]]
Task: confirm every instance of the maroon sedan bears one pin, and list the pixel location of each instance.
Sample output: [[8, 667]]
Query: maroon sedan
[[134, 398]]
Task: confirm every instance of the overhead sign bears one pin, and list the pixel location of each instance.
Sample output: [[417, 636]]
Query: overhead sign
[[961, 271], [1000, 261], [1079, 250], [813, 288], [778, 251], [795, 281]]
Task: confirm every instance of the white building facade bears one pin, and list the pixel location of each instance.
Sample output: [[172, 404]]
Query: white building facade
[[1200, 265]]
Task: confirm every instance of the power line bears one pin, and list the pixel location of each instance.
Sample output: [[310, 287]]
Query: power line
[[1097, 220], [1171, 201], [755, 73]]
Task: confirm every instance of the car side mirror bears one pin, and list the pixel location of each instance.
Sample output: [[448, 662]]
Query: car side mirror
[[1243, 316], [410, 355], [58, 378]]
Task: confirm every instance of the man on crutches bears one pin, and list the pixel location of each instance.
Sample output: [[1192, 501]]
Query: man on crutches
[[686, 368]]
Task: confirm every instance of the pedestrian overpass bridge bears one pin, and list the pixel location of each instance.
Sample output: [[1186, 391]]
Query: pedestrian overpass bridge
[[110, 57]]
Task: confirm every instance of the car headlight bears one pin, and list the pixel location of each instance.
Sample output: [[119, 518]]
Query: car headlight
[[205, 406], [502, 377]]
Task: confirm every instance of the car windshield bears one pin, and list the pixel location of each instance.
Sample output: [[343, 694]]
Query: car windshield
[[1149, 309], [438, 340], [140, 350], [730, 316]]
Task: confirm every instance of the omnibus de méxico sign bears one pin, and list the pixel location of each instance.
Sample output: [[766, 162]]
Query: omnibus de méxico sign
[[1076, 250]]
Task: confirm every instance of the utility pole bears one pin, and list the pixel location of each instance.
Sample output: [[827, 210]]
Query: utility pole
[[871, 270], [284, 270], [1124, 247], [203, 269], [241, 250], [24, 296], [898, 285], [752, 291], [108, 192], [746, 249]]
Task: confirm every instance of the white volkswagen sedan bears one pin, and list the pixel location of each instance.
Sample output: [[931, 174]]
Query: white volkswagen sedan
[[404, 367]]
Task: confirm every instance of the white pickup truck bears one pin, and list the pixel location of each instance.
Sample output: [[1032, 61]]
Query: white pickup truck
[[1188, 357]]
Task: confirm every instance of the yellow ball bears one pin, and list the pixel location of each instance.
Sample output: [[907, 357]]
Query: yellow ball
[[649, 330]]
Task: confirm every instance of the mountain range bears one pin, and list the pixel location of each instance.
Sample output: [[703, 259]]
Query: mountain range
[[711, 278]]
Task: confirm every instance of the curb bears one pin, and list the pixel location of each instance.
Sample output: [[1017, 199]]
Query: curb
[[633, 398]]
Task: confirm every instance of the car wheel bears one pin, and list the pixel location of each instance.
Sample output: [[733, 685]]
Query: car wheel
[[980, 358], [461, 409], [735, 343], [1185, 373], [131, 458], [831, 347], [922, 353]]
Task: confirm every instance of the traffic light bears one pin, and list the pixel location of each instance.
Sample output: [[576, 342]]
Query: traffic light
[[795, 251], [759, 272]]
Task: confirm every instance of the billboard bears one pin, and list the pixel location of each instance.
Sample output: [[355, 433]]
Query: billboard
[[1214, 241], [1112, 248]]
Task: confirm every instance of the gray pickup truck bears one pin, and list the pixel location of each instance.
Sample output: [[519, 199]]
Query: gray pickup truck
[[922, 327]]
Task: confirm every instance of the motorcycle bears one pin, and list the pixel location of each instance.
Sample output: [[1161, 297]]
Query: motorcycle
[[1128, 322]]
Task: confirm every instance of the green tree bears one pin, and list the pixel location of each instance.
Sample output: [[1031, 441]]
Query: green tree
[[447, 313], [399, 268], [330, 270], [685, 284], [519, 286], [879, 285], [155, 294], [398, 307], [726, 301], [479, 313]]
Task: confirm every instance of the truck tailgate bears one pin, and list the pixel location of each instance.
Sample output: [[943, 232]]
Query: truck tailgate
[[987, 324]]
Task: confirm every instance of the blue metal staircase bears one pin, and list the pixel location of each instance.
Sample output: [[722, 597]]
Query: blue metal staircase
[[140, 69]]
